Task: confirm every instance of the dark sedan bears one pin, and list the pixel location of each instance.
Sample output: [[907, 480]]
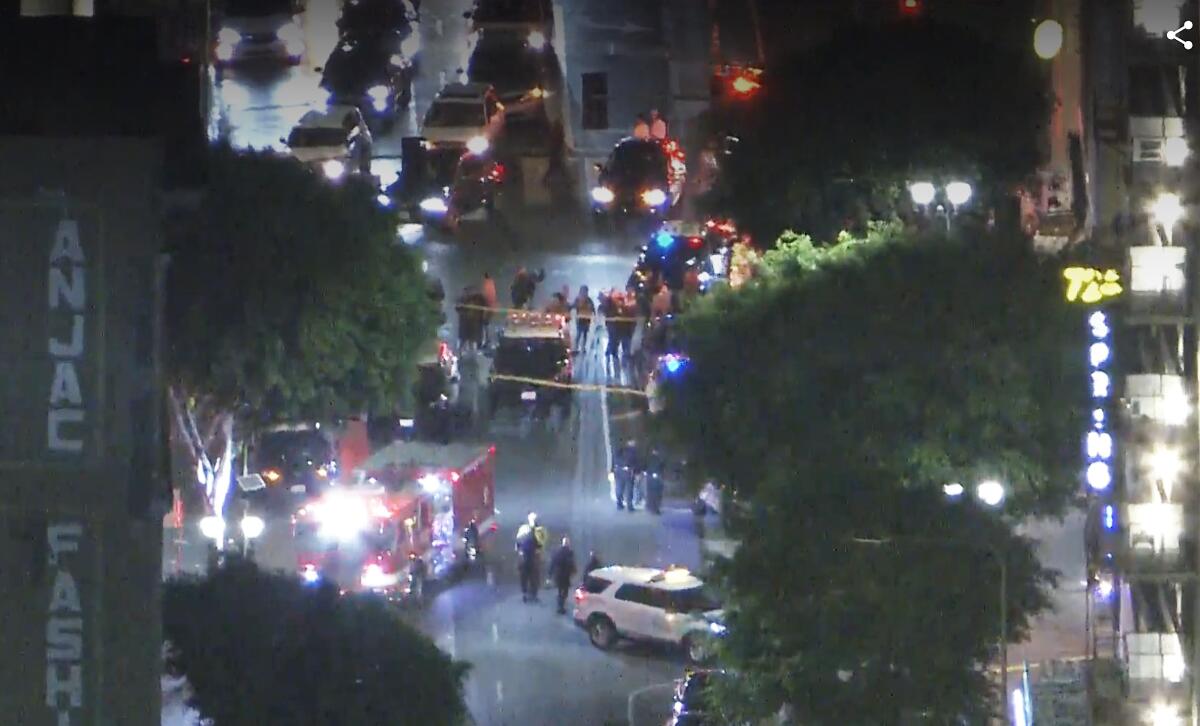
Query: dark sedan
[[522, 75], [367, 74]]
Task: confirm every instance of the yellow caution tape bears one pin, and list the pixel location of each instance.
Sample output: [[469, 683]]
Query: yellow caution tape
[[523, 315], [596, 387]]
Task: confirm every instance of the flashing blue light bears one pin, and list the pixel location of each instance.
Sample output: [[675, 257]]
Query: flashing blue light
[[1110, 517], [673, 364], [664, 239]]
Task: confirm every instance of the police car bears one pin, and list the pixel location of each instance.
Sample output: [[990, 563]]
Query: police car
[[677, 250], [648, 604], [533, 347]]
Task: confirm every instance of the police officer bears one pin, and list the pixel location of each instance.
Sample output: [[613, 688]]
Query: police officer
[[416, 575], [654, 469], [562, 570], [625, 466]]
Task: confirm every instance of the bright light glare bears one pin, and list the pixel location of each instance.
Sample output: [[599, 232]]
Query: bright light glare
[[374, 577], [1176, 151], [1165, 464], [224, 51], [384, 200], [212, 527], [310, 574], [411, 233], [672, 363], [252, 526], [1099, 325], [959, 193], [922, 193], [430, 482], [953, 489], [435, 205], [718, 263], [477, 145], [602, 195], [1160, 714], [1098, 354], [342, 516], [536, 40], [1018, 707], [664, 239], [333, 169], [654, 197], [1167, 210], [229, 36], [1048, 39], [1176, 408], [990, 492], [1099, 475], [1104, 587]]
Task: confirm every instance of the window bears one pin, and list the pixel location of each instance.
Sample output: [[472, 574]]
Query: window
[[595, 585], [595, 100], [636, 594], [693, 599]]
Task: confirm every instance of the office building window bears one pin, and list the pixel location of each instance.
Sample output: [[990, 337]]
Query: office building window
[[595, 100]]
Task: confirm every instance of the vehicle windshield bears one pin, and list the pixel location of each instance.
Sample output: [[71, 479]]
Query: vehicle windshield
[[693, 599], [294, 446], [508, 66], [353, 69], [257, 8], [535, 357], [635, 161], [306, 136], [363, 17], [456, 115]]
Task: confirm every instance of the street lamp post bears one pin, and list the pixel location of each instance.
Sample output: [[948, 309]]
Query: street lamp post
[[957, 193]]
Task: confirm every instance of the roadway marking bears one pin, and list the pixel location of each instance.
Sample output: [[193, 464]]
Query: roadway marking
[[495, 633], [499, 691]]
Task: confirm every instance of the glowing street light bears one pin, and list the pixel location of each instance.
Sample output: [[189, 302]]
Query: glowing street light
[[252, 526], [953, 490], [1048, 39], [959, 193], [1167, 210], [990, 492], [212, 527], [1165, 464], [922, 193], [1176, 151]]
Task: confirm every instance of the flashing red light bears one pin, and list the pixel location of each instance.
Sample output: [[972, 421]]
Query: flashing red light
[[695, 242], [911, 8], [579, 594], [454, 477], [492, 449], [495, 527]]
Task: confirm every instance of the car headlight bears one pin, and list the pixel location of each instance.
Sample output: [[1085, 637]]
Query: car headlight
[[380, 96], [477, 144], [602, 195], [333, 169], [229, 36], [654, 197], [434, 205]]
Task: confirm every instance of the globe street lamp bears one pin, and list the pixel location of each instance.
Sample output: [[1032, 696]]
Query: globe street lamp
[[1048, 39], [958, 192], [990, 492], [922, 193]]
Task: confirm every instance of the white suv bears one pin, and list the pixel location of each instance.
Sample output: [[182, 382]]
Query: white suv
[[644, 603]]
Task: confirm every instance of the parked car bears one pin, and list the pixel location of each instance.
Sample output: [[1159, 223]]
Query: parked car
[[468, 115], [669, 606], [250, 30], [330, 140], [367, 74]]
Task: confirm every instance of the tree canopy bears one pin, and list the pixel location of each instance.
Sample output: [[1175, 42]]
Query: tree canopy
[[836, 394], [936, 360], [838, 131], [287, 294], [261, 648]]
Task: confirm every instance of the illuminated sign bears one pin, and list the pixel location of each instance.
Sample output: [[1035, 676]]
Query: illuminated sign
[[1089, 285], [65, 629], [1099, 444]]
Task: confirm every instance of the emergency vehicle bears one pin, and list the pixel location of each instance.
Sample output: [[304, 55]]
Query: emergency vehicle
[[408, 498]]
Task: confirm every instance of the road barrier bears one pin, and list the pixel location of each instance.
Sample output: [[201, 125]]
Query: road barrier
[[548, 383]]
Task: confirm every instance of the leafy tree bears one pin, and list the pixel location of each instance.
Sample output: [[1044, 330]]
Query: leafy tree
[[287, 297], [836, 394], [261, 648], [839, 130]]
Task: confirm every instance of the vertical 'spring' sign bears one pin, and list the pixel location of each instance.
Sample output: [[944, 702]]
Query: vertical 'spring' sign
[[67, 286], [64, 626]]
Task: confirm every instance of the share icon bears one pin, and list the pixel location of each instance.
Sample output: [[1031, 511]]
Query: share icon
[[1174, 35]]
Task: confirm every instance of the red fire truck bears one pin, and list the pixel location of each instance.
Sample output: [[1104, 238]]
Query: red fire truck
[[410, 497]]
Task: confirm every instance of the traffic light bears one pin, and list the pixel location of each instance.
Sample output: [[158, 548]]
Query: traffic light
[[912, 8]]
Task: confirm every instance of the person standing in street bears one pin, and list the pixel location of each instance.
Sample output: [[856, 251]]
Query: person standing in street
[[562, 571], [416, 576], [527, 547], [625, 466], [585, 310]]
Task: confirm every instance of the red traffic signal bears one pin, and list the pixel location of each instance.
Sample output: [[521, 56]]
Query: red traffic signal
[[911, 8]]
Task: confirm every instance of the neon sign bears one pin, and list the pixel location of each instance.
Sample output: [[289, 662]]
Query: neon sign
[[1089, 285], [1099, 445]]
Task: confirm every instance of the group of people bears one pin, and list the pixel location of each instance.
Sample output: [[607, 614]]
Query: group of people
[[654, 127], [628, 465], [530, 545]]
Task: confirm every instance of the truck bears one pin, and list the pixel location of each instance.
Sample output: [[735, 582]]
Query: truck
[[409, 499]]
